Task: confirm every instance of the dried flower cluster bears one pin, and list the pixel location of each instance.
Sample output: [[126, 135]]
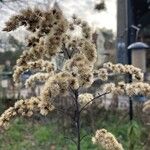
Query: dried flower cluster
[[40, 64], [37, 77], [59, 84], [25, 108], [138, 88], [103, 74], [122, 88], [106, 140]]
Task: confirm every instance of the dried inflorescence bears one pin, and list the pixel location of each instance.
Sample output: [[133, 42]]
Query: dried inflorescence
[[106, 140], [84, 73], [48, 27], [125, 69], [29, 17], [130, 89], [103, 74], [59, 84], [37, 77], [32, 54], [38, 21]]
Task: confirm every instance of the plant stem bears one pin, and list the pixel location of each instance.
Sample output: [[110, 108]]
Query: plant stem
[[130, 109], [92, 101], [78, 131], [77, 117]]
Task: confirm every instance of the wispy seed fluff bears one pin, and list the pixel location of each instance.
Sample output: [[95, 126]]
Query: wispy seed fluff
[[50, 89], [32, 54], [106, 140], [118, 89], [89, 50], [85, 98], [37, 77], [77, 64]]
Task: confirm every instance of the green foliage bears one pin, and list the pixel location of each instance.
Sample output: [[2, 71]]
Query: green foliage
[[134, 133], [42, 134]]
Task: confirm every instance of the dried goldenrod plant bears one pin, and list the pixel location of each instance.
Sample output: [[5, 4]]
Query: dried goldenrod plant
[[53, 35]]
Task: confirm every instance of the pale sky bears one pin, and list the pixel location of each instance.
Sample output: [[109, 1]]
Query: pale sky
[[84, 9]]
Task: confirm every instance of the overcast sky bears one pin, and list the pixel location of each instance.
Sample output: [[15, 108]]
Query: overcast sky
[[83, 8]]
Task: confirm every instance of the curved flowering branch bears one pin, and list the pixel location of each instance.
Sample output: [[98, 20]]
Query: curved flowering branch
[[130, 89], [125, 69], [25, 108]]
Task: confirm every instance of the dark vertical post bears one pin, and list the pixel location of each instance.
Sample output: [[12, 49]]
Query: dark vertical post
[[130, 39], [121, 31]]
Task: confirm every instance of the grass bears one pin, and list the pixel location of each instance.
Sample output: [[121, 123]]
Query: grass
[[26, 134]]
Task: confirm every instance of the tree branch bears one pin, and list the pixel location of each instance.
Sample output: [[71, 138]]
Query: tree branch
[[83, 137], [66, 51]]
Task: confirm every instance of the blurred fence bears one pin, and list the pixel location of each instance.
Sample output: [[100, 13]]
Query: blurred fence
[[9, 92]]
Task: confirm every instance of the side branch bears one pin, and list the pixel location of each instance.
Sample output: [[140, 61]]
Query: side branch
[[72, 140], [92, 101]]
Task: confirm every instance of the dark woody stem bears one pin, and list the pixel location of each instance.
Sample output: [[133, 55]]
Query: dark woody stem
[[77, 119], [78, 115]]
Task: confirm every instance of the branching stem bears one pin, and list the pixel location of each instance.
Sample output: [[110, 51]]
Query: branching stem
[[92, 101]]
